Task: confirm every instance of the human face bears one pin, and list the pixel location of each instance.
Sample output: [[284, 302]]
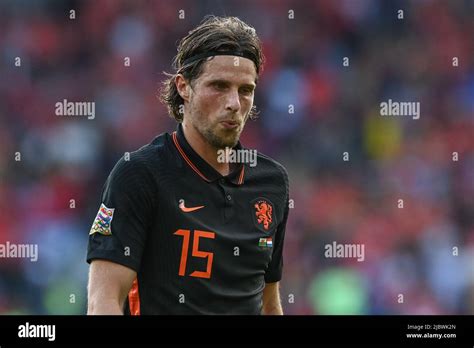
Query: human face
[[220, 100]]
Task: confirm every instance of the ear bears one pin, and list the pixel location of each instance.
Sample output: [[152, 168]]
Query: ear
[[183, 87]]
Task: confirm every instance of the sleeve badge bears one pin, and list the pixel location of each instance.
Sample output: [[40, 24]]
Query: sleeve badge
[[103, 220]]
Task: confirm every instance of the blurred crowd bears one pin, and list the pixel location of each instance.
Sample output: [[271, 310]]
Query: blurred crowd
[[403, 188]]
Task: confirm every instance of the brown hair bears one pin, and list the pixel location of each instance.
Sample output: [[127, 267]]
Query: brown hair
[[213, 34]]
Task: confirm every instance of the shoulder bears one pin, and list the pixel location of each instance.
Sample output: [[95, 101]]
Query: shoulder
[[274, 168], [143, 161]]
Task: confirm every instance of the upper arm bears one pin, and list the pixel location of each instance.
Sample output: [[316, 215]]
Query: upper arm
[[127, 211], [271, 299], [109, 281], [270, 291]]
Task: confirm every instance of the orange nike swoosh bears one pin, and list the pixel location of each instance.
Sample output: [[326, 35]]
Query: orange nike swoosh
[[190, 209]]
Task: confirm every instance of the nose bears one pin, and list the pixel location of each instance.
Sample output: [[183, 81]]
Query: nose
[[233, 101]]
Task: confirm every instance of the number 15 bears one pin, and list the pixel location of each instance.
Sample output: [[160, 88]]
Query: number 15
[[196, 252]]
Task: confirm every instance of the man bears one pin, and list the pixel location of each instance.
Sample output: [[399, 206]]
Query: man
[[180, 231]]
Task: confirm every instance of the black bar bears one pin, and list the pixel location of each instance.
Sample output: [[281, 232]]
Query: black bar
[[314, 330]]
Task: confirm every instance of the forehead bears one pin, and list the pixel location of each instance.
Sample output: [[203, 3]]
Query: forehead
[[231, 68]]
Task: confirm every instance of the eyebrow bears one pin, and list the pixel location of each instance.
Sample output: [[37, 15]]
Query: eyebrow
[[248, 85]]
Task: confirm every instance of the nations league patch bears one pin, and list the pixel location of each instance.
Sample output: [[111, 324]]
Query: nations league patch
[[102, 221]]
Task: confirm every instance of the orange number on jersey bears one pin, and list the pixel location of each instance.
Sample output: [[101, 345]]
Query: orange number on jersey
[[184, 251], [196, 252]]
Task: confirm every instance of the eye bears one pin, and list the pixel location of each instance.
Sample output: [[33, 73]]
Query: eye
[[220, 86], [246, 91]]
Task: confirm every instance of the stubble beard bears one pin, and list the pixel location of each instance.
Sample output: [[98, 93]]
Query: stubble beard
[[217, 136]]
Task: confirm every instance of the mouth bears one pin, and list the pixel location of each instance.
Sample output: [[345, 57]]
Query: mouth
[[230, 124]]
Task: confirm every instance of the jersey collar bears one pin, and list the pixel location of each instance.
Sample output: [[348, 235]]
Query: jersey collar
[[200, 166]]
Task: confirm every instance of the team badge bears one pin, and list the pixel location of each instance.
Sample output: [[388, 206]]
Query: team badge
[[103, 221], [263, 214]]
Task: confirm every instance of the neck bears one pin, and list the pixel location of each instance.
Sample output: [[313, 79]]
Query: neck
[[204, 149]]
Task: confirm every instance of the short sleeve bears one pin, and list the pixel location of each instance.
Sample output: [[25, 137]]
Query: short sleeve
[[275, 268], [120, 228]]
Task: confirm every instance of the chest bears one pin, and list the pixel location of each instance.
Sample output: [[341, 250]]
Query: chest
[[215, 228]]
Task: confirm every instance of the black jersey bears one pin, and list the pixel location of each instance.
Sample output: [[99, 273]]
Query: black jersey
[[200, 242]]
